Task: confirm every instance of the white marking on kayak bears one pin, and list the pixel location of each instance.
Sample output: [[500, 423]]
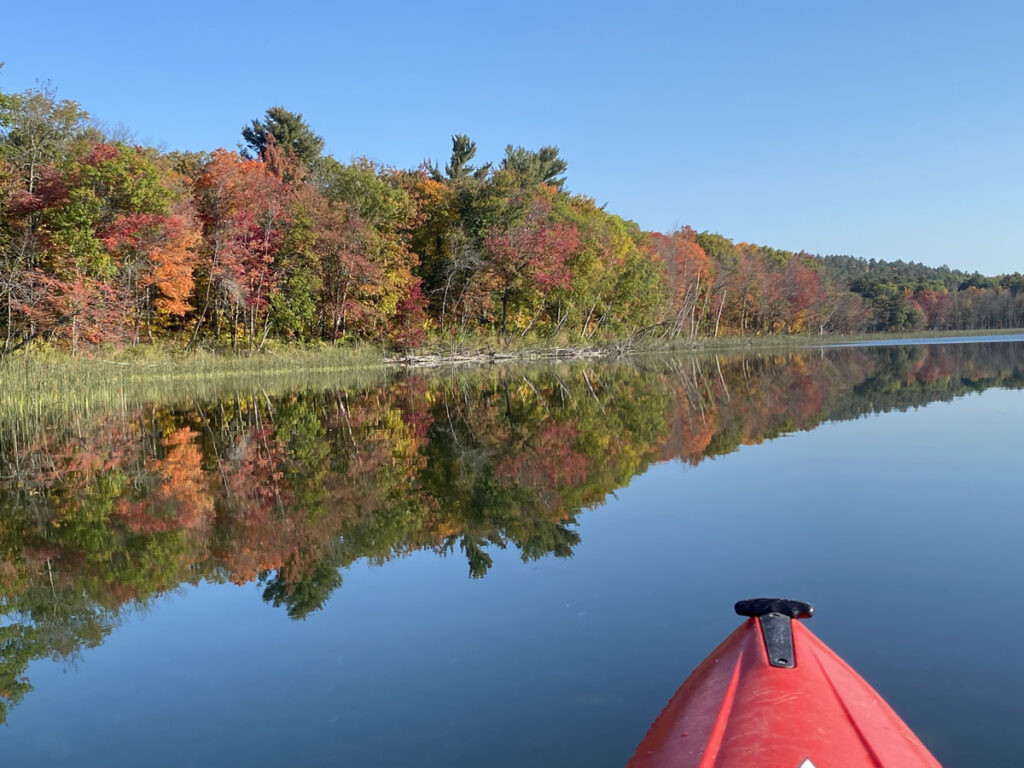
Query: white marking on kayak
[[807, 764]]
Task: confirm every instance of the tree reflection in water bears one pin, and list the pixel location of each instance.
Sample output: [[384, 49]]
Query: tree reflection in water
[[102, 512]]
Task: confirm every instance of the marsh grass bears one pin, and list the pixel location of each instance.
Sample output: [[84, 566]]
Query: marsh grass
[[45, 384]]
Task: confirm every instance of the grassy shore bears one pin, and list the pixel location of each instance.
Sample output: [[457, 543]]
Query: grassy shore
[[47, 382], [55, 381]]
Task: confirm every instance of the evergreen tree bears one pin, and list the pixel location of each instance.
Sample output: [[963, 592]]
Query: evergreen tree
[[290, 132], [530, 168]]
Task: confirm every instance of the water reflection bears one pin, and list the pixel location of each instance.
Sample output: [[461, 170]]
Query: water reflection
[[101, 512]]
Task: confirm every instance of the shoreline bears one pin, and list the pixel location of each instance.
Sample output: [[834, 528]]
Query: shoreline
[[45, 382], [725, 344], [164, 362]]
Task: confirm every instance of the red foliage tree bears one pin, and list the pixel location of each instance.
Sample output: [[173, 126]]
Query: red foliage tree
[[690, 275], [407, 326], [528, 259], [157, 254], [78, 308], [244, 208], [938, 307]]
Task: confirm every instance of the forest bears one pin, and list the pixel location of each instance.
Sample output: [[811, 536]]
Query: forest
[[105, 243]]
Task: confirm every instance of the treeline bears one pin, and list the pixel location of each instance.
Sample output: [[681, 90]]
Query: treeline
[[105, 509], [912, 296], [104, 241]]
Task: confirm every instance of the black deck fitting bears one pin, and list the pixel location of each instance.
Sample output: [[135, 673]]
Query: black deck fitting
[[760, 606], [775, 616]]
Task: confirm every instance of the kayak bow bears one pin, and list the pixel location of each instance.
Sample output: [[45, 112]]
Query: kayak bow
[[772, 695]]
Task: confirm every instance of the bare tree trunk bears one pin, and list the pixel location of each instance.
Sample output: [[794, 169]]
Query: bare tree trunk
[[586, 323], [444, 299], [266, 332], [10, 322], [504, 310], [344, 308], [693, 308], [206, 302], [529, 325]]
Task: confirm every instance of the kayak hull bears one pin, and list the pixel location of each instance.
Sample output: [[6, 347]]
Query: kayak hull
[[736, 709]]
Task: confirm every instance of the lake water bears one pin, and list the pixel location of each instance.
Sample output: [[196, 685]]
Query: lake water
[[509, 567]]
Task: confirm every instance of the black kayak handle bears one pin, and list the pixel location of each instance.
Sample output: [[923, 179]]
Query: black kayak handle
[[775, 616], [762, 606]]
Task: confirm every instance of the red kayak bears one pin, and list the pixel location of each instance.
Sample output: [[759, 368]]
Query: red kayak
[[774, 696]]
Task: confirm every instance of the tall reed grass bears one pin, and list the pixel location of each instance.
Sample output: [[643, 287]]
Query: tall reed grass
[[44, 384]]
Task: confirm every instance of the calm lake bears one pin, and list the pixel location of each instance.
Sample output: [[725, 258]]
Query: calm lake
[[506, 567]]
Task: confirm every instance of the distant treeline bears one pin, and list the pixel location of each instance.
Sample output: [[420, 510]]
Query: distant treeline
[[104, 241]]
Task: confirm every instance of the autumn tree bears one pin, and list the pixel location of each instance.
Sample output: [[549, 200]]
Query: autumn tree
[[353, 270], [153, 242], [158, 257], [446, 252], [455, 210], [527, 259], [108, 248], [244, 209], [374, 265], [38, 133], [690, 280], [802, 290], [617, 289]]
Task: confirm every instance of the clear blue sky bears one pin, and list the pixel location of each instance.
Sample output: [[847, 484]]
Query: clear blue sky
[[879, 129]]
